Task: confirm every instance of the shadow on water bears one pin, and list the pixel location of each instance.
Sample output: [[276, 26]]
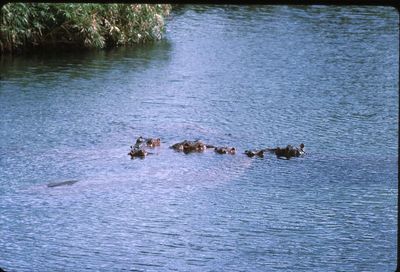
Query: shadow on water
[[83, 63], [229, 9], [308, 14]]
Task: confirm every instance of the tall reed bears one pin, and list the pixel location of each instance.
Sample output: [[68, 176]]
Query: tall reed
[[24, 26]]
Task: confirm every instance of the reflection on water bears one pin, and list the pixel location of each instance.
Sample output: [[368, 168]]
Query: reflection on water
[[82, 64], [248, 77]]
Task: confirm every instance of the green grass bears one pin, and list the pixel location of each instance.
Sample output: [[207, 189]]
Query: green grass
[[26, 26]]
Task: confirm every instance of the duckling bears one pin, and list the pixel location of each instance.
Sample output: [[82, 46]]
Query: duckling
[[177, 146], [225, 150], [139, 142], [199, 146], [252, 153], [289, 151], [301, 150], [189, 146], [153, 142], [141, 153]]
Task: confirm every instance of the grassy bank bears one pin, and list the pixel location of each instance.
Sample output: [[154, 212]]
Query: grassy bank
[[26, 26]]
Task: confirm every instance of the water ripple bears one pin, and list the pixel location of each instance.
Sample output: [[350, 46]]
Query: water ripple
[[250, 77]]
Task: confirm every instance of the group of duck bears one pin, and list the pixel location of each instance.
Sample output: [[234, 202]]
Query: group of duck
[[139, 149]]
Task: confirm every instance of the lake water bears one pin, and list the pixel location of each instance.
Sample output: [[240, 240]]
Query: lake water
[[249, 77]]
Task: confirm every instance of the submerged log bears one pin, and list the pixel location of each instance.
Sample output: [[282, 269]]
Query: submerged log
[[62, 183]]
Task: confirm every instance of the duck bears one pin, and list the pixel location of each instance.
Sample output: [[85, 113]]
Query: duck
[[225, 150], [141, 153], [252, 153], [289, 151], [153, 142], [301, 150], [140, 140], [191, 146]]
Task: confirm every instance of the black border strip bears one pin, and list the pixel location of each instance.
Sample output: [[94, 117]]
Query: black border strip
[[393, 3]]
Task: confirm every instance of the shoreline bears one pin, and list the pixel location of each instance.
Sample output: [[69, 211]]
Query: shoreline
[[30, 27]]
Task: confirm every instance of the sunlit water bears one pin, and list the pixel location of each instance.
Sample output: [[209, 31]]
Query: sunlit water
[[249, 77]]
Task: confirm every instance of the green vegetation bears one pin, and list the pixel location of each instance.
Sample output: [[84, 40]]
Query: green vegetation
[[25, 26]]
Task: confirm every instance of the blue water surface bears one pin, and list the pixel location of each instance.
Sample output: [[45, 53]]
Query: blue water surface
[[248, 77]]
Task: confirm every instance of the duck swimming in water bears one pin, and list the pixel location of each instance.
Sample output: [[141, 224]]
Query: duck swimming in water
[[252, 153], [289, 151], [225, 150], [191, 146], [153, 142], [301, 150], [185, 146], [139, 142], [150, 142], [138, 149], [138, 153]]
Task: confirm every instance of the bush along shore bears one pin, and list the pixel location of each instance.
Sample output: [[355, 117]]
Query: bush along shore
[[26, 26]]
